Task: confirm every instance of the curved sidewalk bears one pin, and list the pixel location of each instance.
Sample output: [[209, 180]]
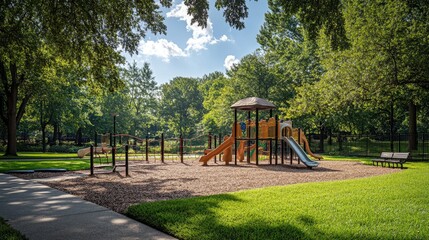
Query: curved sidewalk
[[41, 212]]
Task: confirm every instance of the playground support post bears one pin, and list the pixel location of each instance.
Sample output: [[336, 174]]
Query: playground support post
[[282, 142], [271, 151], [162, 147], [235, 136], [248, 136], [271, 141], [215, 138], [210, 141], [277, 137], [181, 148], [91, 159], [257, 136], [220, 141]]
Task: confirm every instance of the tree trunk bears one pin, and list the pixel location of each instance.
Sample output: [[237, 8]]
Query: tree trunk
[[43, 138], [55, 134], [11, 149], [60, 135], [13, 113], [79, 137], [12, 97], [3, 135], [412, 127]]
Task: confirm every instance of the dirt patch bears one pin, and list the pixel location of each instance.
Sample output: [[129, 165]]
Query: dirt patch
[[157, 181]]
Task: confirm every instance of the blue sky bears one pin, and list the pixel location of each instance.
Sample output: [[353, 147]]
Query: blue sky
[[190, 51]]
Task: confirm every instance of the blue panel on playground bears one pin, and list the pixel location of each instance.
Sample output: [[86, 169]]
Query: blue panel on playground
[[243, 126]]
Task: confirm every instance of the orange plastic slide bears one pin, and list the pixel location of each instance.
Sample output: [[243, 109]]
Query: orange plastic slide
[[227, 143], [240, 152]]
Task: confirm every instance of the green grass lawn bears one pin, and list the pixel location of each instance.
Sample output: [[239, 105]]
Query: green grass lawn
[[346, 158], [61, 160], [394, 206], [40, 155], [70, 165], [7, 232]]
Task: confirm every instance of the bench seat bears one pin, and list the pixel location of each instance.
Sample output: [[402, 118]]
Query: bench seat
[[383, 158], [394, 158]]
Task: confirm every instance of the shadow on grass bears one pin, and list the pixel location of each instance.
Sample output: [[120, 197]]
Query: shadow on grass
[[204, 218]]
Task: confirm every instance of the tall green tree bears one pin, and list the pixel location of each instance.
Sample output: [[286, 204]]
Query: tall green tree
[[252, 77], [386, 63], [218, 95], [181, 106], [91, 33], [143, 90], [289, 51]]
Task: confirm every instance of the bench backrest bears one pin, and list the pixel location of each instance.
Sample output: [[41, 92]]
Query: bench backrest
[[401, 155], [386, 155]]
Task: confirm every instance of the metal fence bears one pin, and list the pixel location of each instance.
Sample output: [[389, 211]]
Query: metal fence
[[369, 145]]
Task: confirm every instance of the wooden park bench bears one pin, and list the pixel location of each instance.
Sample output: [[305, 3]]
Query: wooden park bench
[[383, 158], [398, 158]]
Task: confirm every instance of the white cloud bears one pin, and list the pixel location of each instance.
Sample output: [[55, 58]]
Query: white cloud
[[223, 38], [230, 61], [201, 37], [162, 48]]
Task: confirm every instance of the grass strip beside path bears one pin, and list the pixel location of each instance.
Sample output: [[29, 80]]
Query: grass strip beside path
[[40, 155], [7, 232], [70, 165], [394, 206]]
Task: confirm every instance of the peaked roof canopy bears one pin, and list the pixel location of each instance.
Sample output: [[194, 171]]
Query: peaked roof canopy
[[253, 103]]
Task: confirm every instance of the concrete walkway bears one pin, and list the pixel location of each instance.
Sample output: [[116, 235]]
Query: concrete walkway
[[41, 212]]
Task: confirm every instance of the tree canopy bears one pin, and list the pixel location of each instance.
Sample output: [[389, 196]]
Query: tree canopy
[[357, 66]]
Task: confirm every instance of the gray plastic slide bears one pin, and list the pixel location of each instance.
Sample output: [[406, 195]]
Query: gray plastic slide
[[300, 153]]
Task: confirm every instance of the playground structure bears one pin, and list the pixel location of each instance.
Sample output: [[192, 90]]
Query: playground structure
[[262, 136], [104, 149], [269, 138]]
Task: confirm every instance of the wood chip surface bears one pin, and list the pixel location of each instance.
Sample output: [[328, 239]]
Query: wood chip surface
[[171, 180]]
